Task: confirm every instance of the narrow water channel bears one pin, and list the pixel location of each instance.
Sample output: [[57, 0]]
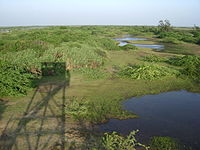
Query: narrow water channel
[[123, 41], [175, 114]]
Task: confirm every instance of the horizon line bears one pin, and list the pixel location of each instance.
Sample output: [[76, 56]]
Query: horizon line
[[53, 25]]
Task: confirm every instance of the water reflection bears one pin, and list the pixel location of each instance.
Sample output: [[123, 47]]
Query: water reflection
[[174, 114], [123, 41]]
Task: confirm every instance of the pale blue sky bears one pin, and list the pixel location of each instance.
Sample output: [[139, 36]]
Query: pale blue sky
[[98, 12]]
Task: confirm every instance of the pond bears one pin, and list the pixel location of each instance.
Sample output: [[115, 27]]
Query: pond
[[174, 114], [128, 38]]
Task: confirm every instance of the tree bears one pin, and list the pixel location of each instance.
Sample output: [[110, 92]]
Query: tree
[[164, 26]]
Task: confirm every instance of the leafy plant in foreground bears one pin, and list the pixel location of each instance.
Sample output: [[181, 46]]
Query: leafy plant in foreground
[[114, 141]]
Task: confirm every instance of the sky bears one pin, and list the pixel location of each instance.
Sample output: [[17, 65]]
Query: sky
[[98, 12]]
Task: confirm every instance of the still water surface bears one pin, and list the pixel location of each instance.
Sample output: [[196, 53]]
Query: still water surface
[[128, 38], [175, 114]]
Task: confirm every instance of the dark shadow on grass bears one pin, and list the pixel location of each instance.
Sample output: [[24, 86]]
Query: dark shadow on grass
[[43, 122], [2, 107]]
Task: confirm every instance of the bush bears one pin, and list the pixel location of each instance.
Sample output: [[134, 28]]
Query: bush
[[187, 37], [154, 58], [114, 141], [77, 109], [198, 40], [190, 64], [14, 80], [107, 44], [129, 47], [185, 60], [165, 143], [176, 37], [171, 40], [147, 72]]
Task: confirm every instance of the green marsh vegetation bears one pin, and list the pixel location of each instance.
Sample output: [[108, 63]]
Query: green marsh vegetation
[[166, 143], [114, 141], [103, 74], [146, 72]]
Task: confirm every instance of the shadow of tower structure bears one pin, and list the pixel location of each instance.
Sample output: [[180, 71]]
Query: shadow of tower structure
[[43, 122]]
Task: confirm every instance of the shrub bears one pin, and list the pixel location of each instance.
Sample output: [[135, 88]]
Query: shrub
[[147, 72], [198, 40], [107, 44], [185, 60], [154, 58], [129, 47], [165, 143], [78, 109], [114, 141], [14, 80], [176, 37], [187, 37], [171, 40], [190, 64]]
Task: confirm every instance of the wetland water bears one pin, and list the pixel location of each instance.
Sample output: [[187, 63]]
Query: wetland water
[[175, 114], [128, 38]]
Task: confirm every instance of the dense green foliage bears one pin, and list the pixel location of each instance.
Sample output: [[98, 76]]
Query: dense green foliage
[[26, 49], [169, 35], [147, 72], [14, 80], [171, 40], [177, 36], [185, 60]]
